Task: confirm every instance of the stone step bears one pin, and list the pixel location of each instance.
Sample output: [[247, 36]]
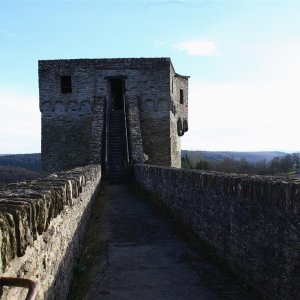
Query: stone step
[[117, 164], [116, 147]]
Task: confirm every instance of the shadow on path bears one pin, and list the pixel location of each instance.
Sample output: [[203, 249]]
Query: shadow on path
[[132, 254]]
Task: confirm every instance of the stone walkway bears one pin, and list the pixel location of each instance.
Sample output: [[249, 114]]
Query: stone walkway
[[144, 259]]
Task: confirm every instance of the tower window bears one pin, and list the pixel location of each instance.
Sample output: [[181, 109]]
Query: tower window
[[181, 96], [66, 84]]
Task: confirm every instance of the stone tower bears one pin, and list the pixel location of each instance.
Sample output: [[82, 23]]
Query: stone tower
[[111, 111]]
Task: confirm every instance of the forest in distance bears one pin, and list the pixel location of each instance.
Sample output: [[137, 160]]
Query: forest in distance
[[19, 167], [22, 167], [253, 163]]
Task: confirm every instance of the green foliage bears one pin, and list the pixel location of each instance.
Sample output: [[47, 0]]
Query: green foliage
[[203, 165], [185, 163], [278, 165], [285, 164]]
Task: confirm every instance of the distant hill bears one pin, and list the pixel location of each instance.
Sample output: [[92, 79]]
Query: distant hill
[[27, 161], [19, 167], [218, 156], [9, 174]]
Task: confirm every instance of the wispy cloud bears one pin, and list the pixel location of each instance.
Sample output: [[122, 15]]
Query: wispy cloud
[[159, 44], [198, 47], [12, 35]]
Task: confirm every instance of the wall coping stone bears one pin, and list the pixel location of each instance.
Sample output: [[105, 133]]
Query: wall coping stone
[[27, 208], [251, 222]]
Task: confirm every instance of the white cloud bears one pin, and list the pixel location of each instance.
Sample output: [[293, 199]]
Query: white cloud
[[198, 47], [19, 122], [159, 44], [243, 117], [260, 114]]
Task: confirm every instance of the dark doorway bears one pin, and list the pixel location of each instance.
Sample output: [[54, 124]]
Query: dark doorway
[[116, 92], [117, 142]]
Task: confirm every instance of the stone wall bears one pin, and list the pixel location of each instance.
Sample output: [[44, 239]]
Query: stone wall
[[64, 139], [96, 146], [250, 222], [42, 224]]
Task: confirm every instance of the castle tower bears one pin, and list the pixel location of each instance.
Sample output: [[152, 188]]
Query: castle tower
[[111, 111]]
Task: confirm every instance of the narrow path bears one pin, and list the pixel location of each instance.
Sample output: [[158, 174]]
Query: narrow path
[[144, 259]]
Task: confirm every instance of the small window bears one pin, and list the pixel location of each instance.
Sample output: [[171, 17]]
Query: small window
[[66, 84], [181, 96]]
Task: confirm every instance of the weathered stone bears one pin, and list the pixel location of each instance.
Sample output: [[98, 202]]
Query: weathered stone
[[42, 224], [251, 222]]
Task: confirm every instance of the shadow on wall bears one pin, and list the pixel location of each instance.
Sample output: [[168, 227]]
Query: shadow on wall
[[251, 222], [50, 217], [62, 281]]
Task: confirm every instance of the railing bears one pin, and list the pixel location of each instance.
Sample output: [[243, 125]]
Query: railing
[[127, 156], [107, 115], [20, 282]]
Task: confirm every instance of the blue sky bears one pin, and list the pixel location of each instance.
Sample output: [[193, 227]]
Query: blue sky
[[242, 56]]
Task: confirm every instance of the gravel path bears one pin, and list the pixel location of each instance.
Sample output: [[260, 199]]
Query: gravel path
[[144, 259]]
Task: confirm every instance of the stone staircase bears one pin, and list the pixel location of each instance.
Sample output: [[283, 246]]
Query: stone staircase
[[116, 150]]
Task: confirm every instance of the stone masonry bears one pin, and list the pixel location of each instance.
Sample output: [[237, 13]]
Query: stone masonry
[[249, 222], [76, 95]]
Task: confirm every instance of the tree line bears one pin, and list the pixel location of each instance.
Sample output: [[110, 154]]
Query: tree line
[[27, 161], [275, 166], [10, 174], [19, 167]]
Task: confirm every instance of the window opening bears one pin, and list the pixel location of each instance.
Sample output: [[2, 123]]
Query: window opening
[[181, 96], [66, 84]]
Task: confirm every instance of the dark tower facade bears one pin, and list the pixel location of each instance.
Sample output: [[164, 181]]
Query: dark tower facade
[[111, 111]]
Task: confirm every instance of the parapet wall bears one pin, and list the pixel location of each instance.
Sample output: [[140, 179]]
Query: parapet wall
[[42, 224], [252, 222]]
